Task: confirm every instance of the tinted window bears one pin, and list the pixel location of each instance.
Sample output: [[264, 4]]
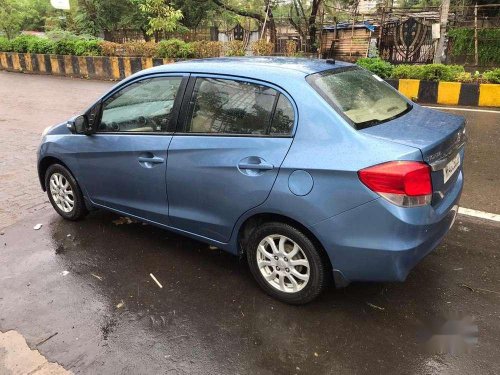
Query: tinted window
[[360, 95], [283, 118], [144, 106], [230, 107]]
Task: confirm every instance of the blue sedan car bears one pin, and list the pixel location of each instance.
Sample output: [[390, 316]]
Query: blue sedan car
[[316, 170]]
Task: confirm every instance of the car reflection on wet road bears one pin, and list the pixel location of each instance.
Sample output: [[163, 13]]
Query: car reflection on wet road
[[209, 317]]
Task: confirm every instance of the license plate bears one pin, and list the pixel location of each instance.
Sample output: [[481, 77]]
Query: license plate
[[451, 168]]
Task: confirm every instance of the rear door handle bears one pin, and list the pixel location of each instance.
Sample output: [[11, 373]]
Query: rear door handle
[[262, 166], [152, 160]]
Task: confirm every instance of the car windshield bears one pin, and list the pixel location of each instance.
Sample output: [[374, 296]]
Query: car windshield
[[361, 96]]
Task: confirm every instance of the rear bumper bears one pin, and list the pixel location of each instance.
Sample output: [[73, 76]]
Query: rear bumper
[[379, 241]]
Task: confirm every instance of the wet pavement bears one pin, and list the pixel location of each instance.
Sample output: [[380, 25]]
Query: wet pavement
[[89, 283], [81, 293]]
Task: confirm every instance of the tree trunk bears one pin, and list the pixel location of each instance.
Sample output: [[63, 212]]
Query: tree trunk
[[145, 35], [312, 25], [240, 12], [257, 16], [272, 24]]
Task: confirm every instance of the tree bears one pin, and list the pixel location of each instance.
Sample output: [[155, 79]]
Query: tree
[[257, 15], [161, 17], [96, 16], [303, 19], [194, 11], [12, 16]]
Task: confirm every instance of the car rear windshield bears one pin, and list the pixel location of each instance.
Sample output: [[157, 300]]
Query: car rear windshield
[[361, 97]]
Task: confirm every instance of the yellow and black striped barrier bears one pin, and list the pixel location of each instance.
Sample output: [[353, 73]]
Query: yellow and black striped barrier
[[96, 67], [117, 68], [449, 93]]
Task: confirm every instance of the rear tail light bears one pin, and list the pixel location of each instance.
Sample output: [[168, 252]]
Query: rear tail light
[[404, 183]]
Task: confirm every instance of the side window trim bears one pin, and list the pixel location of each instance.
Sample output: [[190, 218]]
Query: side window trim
[[175, 109], [273, 112], [187, 102]]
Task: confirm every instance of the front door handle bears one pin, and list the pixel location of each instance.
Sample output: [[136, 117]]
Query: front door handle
[[152, 160], [262, 166]]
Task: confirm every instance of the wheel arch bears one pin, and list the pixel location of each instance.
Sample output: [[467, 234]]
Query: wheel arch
[[44, 164], [250, 223]]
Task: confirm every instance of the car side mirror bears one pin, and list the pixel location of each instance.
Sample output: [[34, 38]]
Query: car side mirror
[[81, 125]]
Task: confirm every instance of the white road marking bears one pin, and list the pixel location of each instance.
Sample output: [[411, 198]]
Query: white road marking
[[463, 109], [479, 214]]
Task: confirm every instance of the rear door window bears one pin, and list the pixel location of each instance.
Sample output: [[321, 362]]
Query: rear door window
[[224, 106]]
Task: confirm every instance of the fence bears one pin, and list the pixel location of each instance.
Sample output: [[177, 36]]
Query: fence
[[399, 35]]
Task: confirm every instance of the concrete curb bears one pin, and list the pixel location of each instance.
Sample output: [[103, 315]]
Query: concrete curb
[[449, 93], [95, 67], [117, 68]]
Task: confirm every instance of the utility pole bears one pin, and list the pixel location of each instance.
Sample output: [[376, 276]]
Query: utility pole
[[445, 9]]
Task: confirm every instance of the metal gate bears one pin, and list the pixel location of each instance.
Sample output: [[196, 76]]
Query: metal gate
[[408, 41]]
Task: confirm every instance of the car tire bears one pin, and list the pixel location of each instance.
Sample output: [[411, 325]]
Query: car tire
[[264, 261], [64, 193]]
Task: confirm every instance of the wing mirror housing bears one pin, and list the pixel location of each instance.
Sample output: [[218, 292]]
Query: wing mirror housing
[[80, 125], [87, 123]]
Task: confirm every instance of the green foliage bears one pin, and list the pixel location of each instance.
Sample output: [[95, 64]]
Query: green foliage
[[65, 47], [95, 16], [11, 17], [67, 43], [407, 71], [174, 49], [87, 48], [464, 77], [440, 72], [235, 48], [5, 45], [161, 17], [41, 45], [429, 72], [376, 65], [488, 44], [492, 76], [20, 43]]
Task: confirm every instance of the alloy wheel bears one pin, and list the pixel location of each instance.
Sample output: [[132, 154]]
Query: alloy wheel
[[62, 192], [283, 263]]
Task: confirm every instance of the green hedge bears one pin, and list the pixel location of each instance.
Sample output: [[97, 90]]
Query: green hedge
[[492, 76], [429, 72], [174, 48], [70, 45], [462, 44], [378, 66]]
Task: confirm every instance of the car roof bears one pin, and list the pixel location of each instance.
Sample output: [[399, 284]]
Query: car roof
[[264, 68]]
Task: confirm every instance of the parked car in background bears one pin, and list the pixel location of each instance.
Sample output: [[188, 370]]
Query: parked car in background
[[316, 170]]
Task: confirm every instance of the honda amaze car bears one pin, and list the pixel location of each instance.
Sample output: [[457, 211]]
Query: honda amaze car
[[316, 170]]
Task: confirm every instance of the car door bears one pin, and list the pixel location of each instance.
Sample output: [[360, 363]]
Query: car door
[[123, 165], [233, 136]]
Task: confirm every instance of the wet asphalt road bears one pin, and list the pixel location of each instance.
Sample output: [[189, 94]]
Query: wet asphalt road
[[89, 283], [211, 318]]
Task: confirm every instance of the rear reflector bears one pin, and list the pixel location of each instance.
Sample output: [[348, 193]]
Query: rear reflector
[[404, 183]]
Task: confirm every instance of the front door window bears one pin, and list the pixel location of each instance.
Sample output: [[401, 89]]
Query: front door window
[[144, 106]]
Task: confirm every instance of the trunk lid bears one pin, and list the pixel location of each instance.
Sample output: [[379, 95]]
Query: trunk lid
[[439, 136]]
